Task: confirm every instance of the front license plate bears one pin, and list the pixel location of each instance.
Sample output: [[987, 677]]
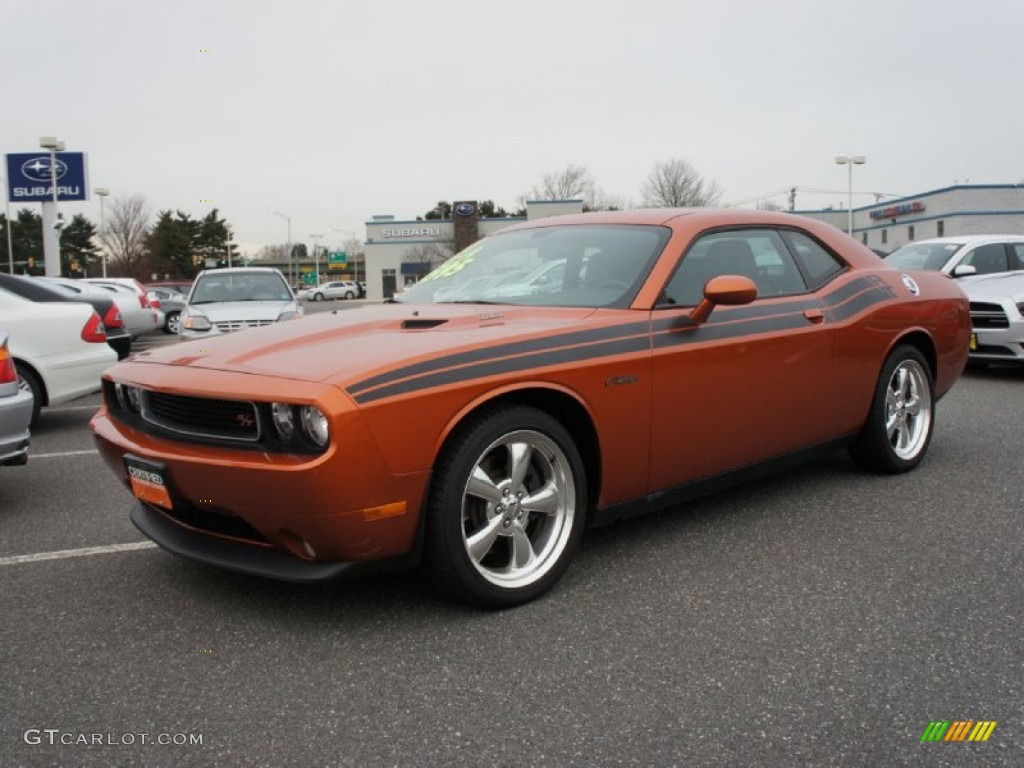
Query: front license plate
[[148, 481], [973, 344]]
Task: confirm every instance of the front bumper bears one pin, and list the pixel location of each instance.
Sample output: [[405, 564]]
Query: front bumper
[[999, 345], [255, 561]]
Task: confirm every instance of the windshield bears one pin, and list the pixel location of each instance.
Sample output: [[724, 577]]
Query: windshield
[[929, 256], [561, 266], [251, 286]]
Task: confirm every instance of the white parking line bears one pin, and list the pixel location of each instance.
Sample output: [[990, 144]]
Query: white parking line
[[61, 454], [66, 553], [74, 407]]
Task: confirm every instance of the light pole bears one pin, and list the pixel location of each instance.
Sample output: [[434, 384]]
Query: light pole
[[316, 256], [355, 263], [849, 161], [51, 218], [291, 276], [102, 193], [7, 227]]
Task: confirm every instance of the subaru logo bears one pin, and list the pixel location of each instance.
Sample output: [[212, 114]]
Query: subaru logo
[[465, 209], [38, 169]]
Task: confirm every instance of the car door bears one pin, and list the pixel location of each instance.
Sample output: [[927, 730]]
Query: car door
[[752, 382]]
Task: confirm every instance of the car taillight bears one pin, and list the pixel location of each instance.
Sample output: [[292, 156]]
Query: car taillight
[[154, 303], [7, 372], [93, 331], [113, 317], [143, 301]]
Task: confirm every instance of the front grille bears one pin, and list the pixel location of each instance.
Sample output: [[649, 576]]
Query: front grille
[[228, 326], [202, 416], [985, 315]]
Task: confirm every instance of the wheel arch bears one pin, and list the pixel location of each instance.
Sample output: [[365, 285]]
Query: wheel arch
[[39, 377], [561, 404], [924, 344]]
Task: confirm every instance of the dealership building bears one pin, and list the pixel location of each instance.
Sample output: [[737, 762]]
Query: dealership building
[[966, 209], [399, 252]]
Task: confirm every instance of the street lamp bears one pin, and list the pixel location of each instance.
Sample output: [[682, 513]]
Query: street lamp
[[291, 276], [849, 161], [316, 255], [355, 262], [51, 218], [102, 193]]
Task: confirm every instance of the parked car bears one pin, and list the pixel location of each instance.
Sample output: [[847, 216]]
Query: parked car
[[338, 289], [997, 316], [59, 349], [236, 298], [170, 302], [15, 410], [138, 318], [34, 289], [699, 348], [962, 256]]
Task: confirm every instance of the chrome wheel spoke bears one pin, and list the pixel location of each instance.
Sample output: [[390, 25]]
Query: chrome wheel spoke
[[545, 500], [519, 459], [480, 543], [481, 486], [522, 549]]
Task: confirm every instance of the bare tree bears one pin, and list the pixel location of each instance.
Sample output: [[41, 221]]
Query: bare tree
[[675, 184], [124, 234], [573, 182], [428, 253]]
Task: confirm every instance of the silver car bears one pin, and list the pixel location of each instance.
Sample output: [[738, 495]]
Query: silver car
[[15, 410], [225, 300], [962, 256], [997, 314]]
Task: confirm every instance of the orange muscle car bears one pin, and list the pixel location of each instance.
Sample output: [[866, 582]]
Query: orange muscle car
[[560, 374]]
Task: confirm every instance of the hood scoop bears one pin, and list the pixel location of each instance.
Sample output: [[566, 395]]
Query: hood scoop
[[420, 325]]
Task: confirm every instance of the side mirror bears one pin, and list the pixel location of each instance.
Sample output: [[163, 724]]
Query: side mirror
[[963, 270], [730, 290]]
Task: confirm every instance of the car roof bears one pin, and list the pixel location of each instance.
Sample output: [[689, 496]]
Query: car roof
[[970, 239]]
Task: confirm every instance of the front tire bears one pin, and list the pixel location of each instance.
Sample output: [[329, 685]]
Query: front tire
[[318, 297], [173, 323], [900, 423], [506, 509]]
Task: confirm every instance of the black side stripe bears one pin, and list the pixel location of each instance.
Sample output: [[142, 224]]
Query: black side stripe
[[501, 350], [712, 332], [860, 303], [511, 365]]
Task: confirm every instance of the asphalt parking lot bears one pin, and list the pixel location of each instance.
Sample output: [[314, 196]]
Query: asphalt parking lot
[[823, 617]]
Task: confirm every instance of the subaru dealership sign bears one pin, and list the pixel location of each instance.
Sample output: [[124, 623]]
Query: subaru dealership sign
[[30, 177]]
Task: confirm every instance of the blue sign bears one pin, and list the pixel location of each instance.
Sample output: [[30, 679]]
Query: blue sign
[[30, 177]]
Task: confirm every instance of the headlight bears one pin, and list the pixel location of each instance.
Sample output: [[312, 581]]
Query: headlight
[[314, 424], [131, 395], [196, 321], [284, 420], [290, 314], [119, 395]]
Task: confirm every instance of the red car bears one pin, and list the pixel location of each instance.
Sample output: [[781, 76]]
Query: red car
[[677, 351]]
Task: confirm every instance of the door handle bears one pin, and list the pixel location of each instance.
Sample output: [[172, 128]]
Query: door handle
[[815, 316]]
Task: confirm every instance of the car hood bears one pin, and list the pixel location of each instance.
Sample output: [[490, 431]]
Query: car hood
[[243, 310], [1008, 285], [347, 346]]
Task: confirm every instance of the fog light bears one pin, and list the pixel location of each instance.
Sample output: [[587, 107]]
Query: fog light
[[284, 420], [314, 424]]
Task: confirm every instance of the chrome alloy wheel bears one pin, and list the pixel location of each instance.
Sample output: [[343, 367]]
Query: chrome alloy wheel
[[518, 508], [908, 409]]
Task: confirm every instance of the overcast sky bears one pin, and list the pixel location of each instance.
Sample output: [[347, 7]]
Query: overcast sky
[[332, 112]]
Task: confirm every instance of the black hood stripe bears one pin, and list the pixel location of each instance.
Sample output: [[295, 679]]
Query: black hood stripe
[[841, 304]]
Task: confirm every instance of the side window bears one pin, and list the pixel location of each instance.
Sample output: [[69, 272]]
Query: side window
[[987, 258], [1017, 250], [819, 265], [758, 254]]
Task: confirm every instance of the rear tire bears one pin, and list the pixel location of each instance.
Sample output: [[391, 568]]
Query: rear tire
[[27, 380], [506, 508], [318, 297], [349, 295], [901, 420]]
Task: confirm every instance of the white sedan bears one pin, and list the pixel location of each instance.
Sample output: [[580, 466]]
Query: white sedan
[[339, 289], [234, 299], [15, 411], [59, 350]]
